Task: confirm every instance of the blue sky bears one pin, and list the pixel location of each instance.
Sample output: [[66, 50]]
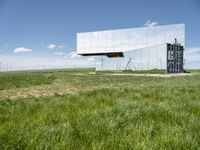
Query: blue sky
[[42, 33]]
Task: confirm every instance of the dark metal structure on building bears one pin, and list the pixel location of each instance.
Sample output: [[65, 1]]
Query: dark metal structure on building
[[175, 58]]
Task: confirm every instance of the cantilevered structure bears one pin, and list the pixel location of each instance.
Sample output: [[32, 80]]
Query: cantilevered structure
[[145, 48]]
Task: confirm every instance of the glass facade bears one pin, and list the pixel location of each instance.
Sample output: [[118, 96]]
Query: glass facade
[[143, 48], [154, 57], [128, 39]]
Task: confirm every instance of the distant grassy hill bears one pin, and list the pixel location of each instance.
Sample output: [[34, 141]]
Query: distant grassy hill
[[77, 109]]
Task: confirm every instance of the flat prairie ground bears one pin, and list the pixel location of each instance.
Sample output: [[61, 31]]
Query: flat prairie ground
[[81, 109]]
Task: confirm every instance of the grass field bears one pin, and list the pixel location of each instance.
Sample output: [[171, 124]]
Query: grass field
[[77, 109]]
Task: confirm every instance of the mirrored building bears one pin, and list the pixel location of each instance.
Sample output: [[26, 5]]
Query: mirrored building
[[158, 47]]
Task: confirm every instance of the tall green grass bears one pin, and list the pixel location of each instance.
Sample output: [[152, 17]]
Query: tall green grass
[[24, 79], [126, 113]]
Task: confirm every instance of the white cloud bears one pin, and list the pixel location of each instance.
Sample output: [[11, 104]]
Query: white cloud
[[51, 46], [72, 60], [72, 55], [193, 50], [192, 54], [150, 23], [91, 59], [22, 50], [59, 53], [54, 46], [43, 62]]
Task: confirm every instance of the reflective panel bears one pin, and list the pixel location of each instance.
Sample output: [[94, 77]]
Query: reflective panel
[[129, 39], [154, 57]]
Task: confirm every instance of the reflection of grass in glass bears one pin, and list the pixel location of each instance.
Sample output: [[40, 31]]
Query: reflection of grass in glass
[[105, 112], [153, 71]]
